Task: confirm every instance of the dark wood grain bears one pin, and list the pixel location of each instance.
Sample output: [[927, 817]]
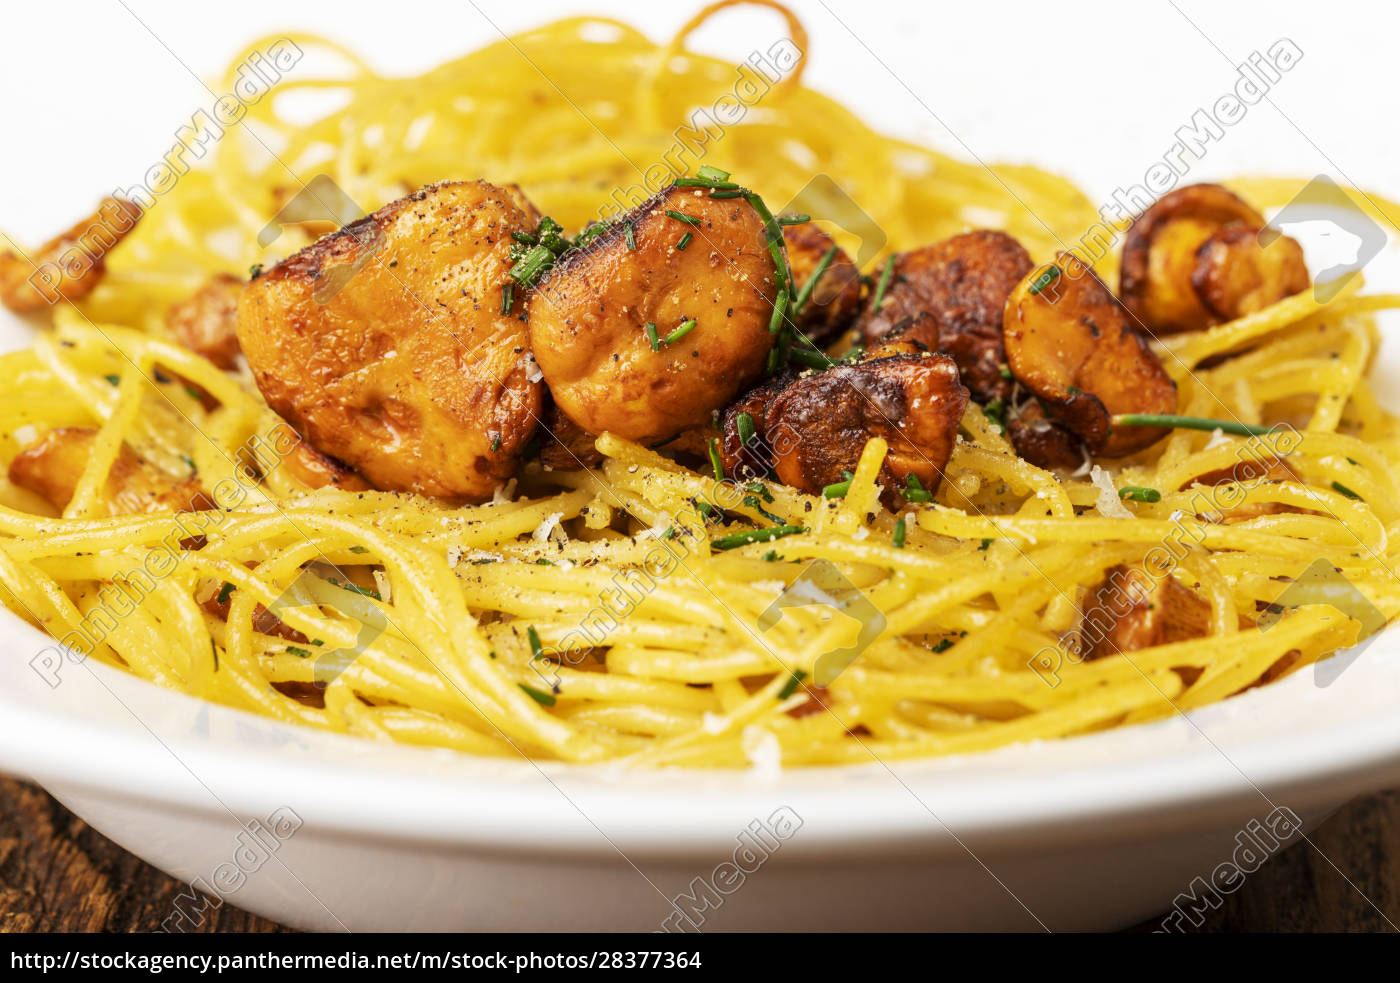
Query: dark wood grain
[[56, 874]]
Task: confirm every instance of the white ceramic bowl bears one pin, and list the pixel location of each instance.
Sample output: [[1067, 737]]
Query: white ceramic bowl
[[1088, 833]]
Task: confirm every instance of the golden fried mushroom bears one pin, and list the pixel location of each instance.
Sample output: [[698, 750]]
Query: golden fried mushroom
[[1041, 441], [1197, 258], [744, 451], [396, 344], [962, 283], [1069, 342], [704, 282], [207, 322], [818, 425], [71, 264], [317, 470], [1236, 274], [52, 466], [834, 301], [1130, 610]]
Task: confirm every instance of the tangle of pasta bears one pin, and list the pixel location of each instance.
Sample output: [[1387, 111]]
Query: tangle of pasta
[[589, 615]]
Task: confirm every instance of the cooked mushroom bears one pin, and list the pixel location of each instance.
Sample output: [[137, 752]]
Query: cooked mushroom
[[1200, 256], [645, 342], [317, 470], [70, 265], [52, 466], [962, 283], [1130, 610], [396, 345], [834, 301], [564, 445], [207, 322], [1043, 442], [744, 448], [818, 425], [1069, 342]]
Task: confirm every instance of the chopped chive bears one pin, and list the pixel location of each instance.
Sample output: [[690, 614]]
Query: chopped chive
[[725, 192], [358, 549], [114, 379], [189, 461], [899, 531], [995, 412], [744, 424], [524, 238], [190, 391], [255, 271], [683, 241], [1006, 373], [1345, 490], [1187, 423], [753, 502], [794, 681], [886, 275], [810, 359], [652, 339], [944, 644], [683, 217], [1140, 494], [300, 653], [539, 696], [715, 464], [914, 490], [681, 332], [798, 219], [735, 540], [837, 490], [774, 234], [495, 443], [712, 183], [805, 294], [775, 322], [507, 298], [631, 234], [355, 589], [542, 562], [1050, 275], [770, 557], [760, 489], [710, 173], [224, 592], [532, 264], [536, 649], [670, 533], [982, 548]]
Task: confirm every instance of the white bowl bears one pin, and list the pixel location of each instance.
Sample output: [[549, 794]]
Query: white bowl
[[1087, 833]]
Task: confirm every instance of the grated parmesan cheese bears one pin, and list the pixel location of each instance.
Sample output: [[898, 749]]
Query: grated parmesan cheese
[[1110, 506]]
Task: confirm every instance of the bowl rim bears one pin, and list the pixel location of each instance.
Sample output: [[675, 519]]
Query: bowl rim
[[168, 751]]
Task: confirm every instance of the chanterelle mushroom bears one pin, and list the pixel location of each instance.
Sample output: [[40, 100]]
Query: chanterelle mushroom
[[1199, 257], [1070, 343], [658, 321], [412, 366]]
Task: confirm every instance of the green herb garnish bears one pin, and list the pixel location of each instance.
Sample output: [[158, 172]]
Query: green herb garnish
[[899, 533], [886, 275], [794, 681], [539, 696], [680, 332], [1140, 494], [735, 540]]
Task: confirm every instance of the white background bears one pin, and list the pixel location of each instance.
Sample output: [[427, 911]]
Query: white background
[[1095, 90]]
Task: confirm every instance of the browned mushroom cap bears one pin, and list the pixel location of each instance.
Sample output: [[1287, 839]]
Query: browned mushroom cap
[[819, 425], [1043, 442], [317, 470], [1129, 611], [52, 466], [207, 322], [390, 345], [1069, 342], [1236, 274], [1196, 258], [962, 283], [744, 450], [564, 445], [834, 302], [71, 264], [588, 317]]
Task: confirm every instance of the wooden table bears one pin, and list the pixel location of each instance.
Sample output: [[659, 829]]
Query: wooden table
[[56, 874]]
